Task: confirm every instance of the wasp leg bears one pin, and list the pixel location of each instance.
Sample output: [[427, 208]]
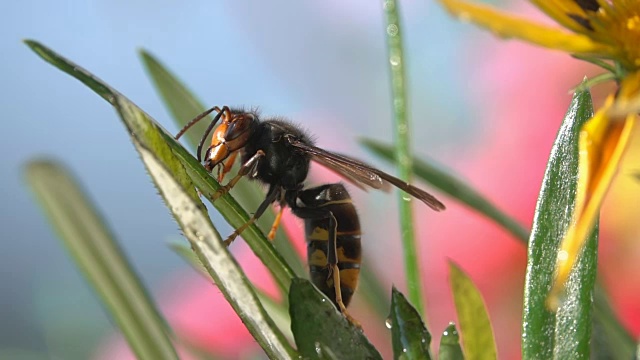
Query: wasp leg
[[227, 166], [334, 271], [276, 222], [272, 194], [246, 168]]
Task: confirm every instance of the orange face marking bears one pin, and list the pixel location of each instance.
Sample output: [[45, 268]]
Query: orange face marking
[[227, 166], [230, 136]]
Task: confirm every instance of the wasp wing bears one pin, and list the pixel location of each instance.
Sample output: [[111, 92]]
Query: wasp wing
[[359, 172], [354, 175]]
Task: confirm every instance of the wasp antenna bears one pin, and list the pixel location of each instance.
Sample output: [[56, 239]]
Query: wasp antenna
[[195, 120]]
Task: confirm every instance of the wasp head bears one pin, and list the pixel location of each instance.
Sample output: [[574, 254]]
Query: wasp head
[[231, 135]]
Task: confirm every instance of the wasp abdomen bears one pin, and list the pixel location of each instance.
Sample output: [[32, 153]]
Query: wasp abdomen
[[335, 199]]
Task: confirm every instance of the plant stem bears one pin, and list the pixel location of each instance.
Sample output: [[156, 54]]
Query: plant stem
[[401, 133]]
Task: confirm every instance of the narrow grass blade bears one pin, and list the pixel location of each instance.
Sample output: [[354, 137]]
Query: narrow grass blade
[[100, 259], [409, 336], [317, 325], [226, 205], [187, 254], [453, 187], [450, 344], [399, 100], [610, 340], [277, 310], [564, 334], [178, 99], [477, 335], [184, 105], [371, 290], [210, 249]]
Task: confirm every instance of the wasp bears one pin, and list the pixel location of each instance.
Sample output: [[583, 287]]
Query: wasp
[[278, 154]]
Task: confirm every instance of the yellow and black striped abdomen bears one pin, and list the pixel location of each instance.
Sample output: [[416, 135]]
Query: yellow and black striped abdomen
[[347, 245]]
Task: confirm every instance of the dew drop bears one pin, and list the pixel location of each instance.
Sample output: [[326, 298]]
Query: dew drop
[[394, 60], [388, 5], [388, 323], [392, 30], [563, 255]]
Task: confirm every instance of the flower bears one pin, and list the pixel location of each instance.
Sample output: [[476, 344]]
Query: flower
[[603, 32]]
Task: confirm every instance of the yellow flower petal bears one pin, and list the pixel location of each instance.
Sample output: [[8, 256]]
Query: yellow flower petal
[[629, 98], [509, 26], [559, 10], [602, 143]]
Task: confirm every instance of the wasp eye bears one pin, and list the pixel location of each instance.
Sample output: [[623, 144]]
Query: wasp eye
[[237, 127]]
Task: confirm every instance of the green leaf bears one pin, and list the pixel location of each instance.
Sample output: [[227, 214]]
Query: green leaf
[[276, 310], [209, 247], [371, 290], [317, 324], [187, 254], [97, 255], [453, 187], [410, 338], [610, 340], [450, 344], [475, 326], [184, 106], [401, 132], [180, 101], [564, 334], [226, 205]]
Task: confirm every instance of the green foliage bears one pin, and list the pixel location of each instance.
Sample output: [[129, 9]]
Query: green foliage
[[399, 100], [477, 334], [100, 259], [317, 326], [409, 336], [547, 334], [450, 344]]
